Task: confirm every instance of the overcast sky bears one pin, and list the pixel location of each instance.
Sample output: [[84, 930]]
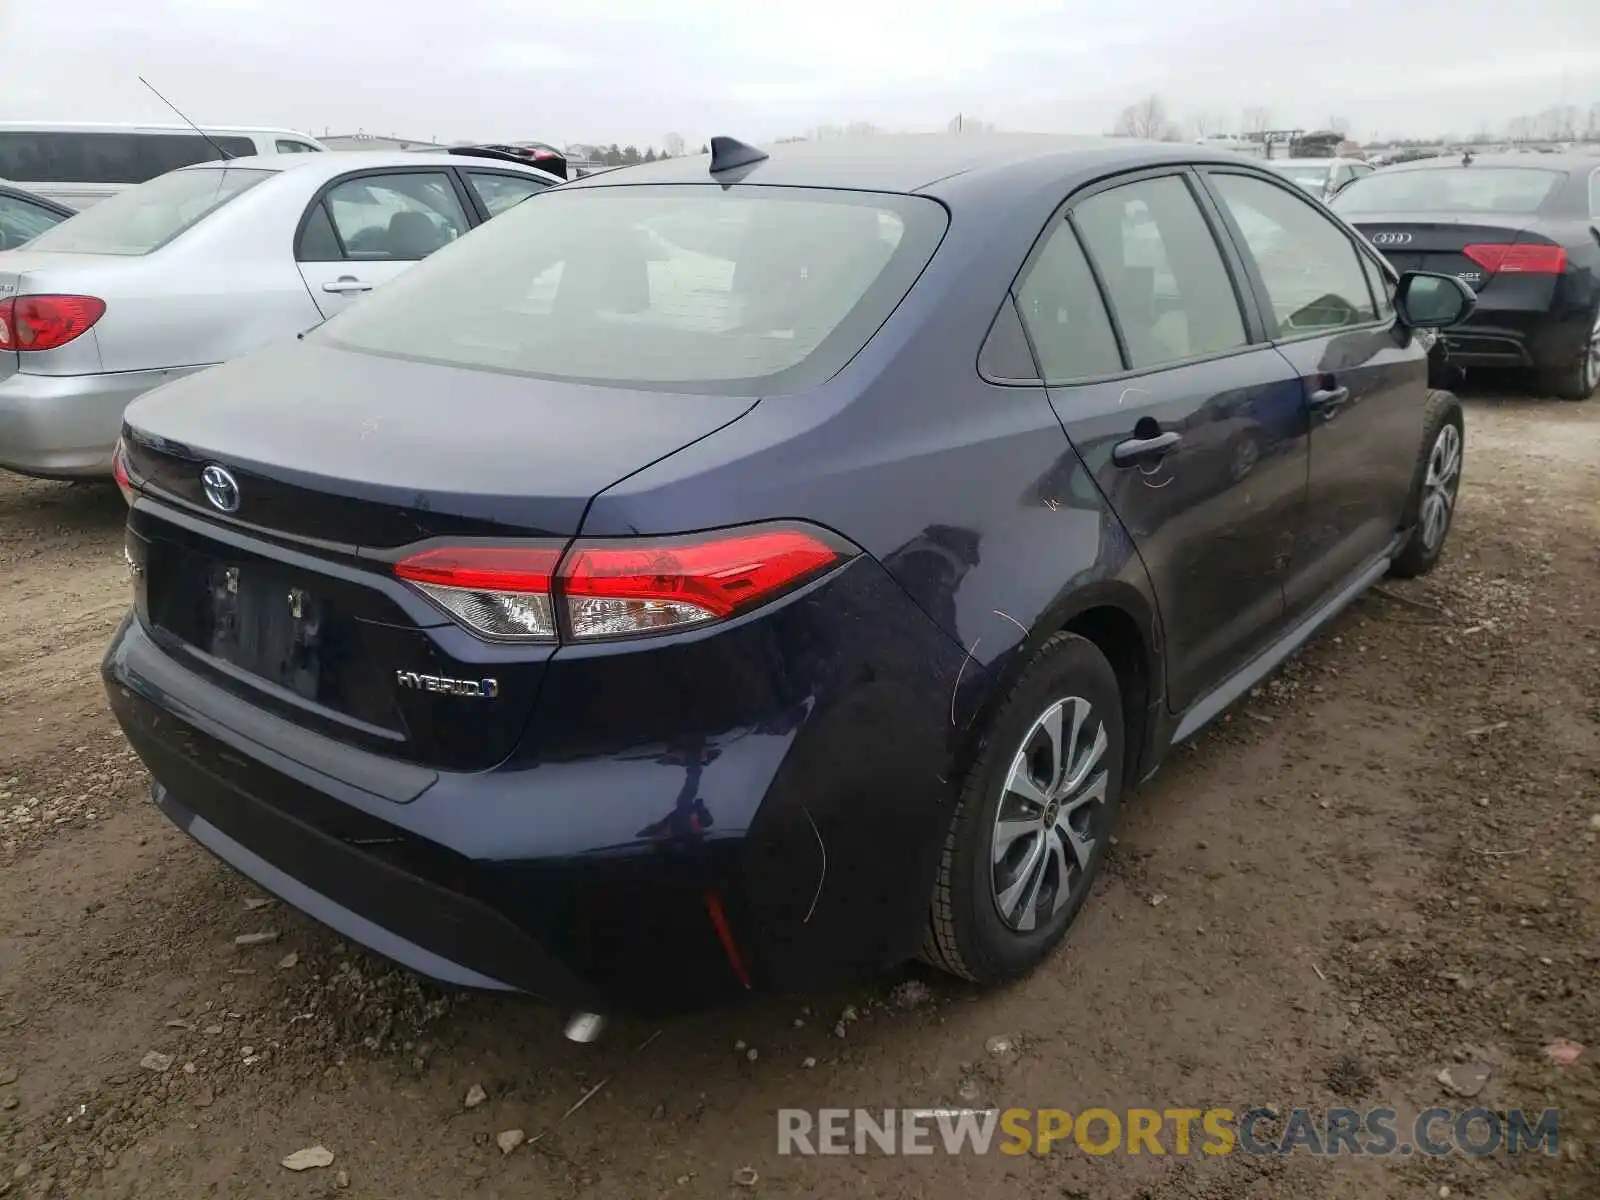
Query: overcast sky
[[632, 70]]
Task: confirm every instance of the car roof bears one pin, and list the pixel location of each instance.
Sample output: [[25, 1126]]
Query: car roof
[[918, 162], [1306, 162], [338, 162], [1542, 162]]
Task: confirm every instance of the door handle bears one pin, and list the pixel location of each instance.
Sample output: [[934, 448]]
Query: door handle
[[345, 285], [1138, 450], [1329, 399]]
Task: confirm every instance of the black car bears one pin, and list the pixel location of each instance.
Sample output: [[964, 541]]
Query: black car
[[741, 571], [1523, 232], [24, 216]]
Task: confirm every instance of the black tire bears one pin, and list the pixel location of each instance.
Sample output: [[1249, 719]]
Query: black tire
[[967, 936], [1419, 555], [1578, 377]]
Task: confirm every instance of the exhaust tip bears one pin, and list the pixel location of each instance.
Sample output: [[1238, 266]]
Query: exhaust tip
[[584, 1027]]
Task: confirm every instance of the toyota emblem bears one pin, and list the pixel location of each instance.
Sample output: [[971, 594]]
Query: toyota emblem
[[221, 488]]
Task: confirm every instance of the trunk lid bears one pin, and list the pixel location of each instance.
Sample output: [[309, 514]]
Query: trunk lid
[[341, 460], [1434, 241], [376, 452]]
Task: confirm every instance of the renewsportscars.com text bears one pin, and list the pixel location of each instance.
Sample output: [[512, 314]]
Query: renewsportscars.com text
[[1375, 1132]]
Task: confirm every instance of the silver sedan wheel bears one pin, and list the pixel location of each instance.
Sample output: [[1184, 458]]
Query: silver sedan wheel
[[1439, 487], [1044, 827]]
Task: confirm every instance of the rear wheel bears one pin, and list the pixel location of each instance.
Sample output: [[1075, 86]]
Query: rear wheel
[[1578, 378], [1433, 492], [1034, 819]]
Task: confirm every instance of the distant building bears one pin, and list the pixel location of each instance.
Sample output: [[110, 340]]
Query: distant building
[[373, 141]]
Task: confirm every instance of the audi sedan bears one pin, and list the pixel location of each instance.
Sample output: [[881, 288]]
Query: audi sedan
[[1523, 232], [206, 263], [749, 570]]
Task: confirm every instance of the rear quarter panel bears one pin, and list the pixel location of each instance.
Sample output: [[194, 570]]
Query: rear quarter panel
[[218, 290], [198, 312]]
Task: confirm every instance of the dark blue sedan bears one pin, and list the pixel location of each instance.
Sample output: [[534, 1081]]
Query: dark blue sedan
[[752, 569]]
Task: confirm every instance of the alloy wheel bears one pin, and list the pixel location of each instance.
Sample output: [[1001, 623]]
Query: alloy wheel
[[1439, 486], [1046, 827]]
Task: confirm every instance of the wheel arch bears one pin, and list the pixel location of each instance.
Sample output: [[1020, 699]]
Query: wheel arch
[[1122, 623]]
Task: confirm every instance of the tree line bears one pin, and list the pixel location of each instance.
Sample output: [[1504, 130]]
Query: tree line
[[1150, 118]]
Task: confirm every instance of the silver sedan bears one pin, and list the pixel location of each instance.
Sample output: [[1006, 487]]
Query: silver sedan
[[204, 264]]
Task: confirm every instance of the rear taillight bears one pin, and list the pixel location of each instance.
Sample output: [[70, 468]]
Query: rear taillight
[[45, 322], [614, 588], [498, 592], [1537, 258], [121, 473]]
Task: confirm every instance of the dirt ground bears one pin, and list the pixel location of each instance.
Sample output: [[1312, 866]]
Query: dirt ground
[[1385, 862]]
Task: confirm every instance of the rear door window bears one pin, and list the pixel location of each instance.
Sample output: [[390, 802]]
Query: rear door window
[[142, 219], [1170, 292], [1064, 315], [396, 218], [500, 192], [675, 287], [287, 147]]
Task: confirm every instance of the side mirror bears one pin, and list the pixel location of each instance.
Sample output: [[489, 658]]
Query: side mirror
[[1426, 300]]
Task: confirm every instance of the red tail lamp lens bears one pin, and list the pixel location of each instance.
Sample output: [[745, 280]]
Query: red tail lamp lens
[[120, 472], [35, 323], [615, 590], [1520, 259], [498, 592], [619, 588]]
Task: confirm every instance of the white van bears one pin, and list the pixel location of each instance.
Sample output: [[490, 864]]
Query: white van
[[79, 165]]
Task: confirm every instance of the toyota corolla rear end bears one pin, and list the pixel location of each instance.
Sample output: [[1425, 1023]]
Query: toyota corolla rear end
[[375, 663]]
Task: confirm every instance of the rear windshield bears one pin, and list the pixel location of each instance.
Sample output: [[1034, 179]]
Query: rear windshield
[[1451, 189], [1310, 177], [147, 217], [681, 288]]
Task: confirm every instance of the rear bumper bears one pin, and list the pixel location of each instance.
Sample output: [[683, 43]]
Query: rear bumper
[[344, 918], [65, 426], [1501, 336], [592, 876]]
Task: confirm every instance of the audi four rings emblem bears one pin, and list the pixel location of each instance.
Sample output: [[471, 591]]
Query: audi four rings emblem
[[220, 488], [1390, 239]]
